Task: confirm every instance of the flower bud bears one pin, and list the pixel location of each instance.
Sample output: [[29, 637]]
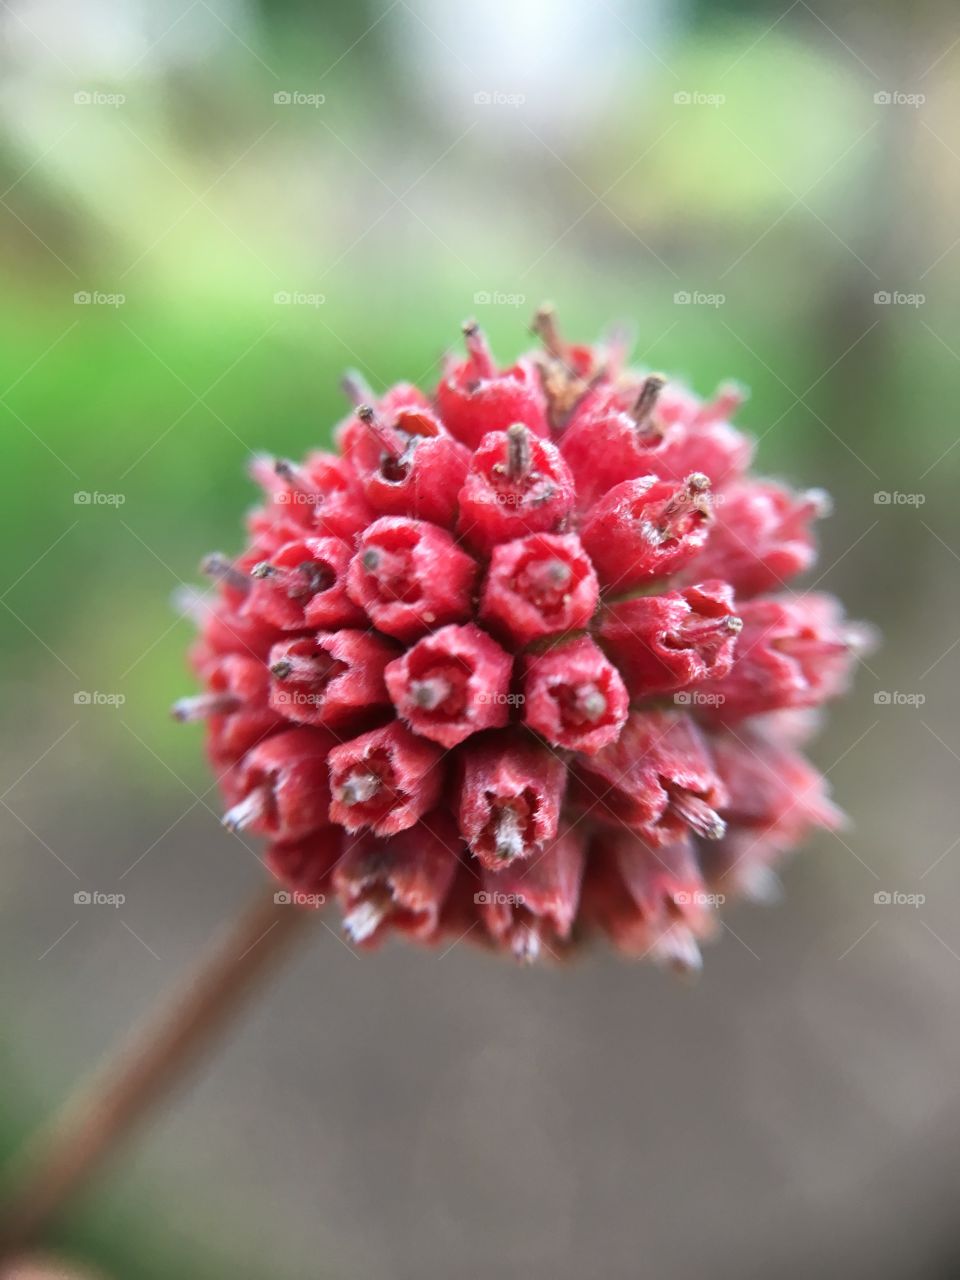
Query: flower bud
[[411, 577], [451, 684], [385, 780], [538, 586]]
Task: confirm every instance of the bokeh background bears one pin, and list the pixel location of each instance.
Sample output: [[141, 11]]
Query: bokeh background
[[209, 209]]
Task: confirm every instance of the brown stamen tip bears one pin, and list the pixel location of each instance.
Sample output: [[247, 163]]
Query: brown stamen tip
[[262, 570], [479, 351], [356, 388], [306, 670], [518, 451], [647, 399], [216, 565], [734, 624], [292, 476], [370, 419], [545, 327], [694, 496]]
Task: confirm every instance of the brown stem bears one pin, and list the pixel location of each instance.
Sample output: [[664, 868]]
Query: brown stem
[[92, 1122]]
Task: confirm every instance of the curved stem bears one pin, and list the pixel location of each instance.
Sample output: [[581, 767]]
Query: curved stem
[[92, 1122]]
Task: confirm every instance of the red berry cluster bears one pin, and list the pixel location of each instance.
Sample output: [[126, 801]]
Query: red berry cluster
[[516, 661]]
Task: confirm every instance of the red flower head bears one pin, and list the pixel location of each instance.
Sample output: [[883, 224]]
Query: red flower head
[[506, 666]]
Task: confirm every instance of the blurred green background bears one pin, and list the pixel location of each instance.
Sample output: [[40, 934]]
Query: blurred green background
[[209, 211]]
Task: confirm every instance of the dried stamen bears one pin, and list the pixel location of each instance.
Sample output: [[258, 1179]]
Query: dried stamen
[[646, 401], [367, 916], [204, 705], [508, 835], [695, 811], [518, 451], [356, 388], [479, 351], [249, 810], [216, 565]]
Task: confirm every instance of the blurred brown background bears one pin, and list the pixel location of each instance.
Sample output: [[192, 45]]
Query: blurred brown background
[[209, 209]]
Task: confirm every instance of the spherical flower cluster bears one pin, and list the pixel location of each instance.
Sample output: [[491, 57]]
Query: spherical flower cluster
[[519, 662]]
